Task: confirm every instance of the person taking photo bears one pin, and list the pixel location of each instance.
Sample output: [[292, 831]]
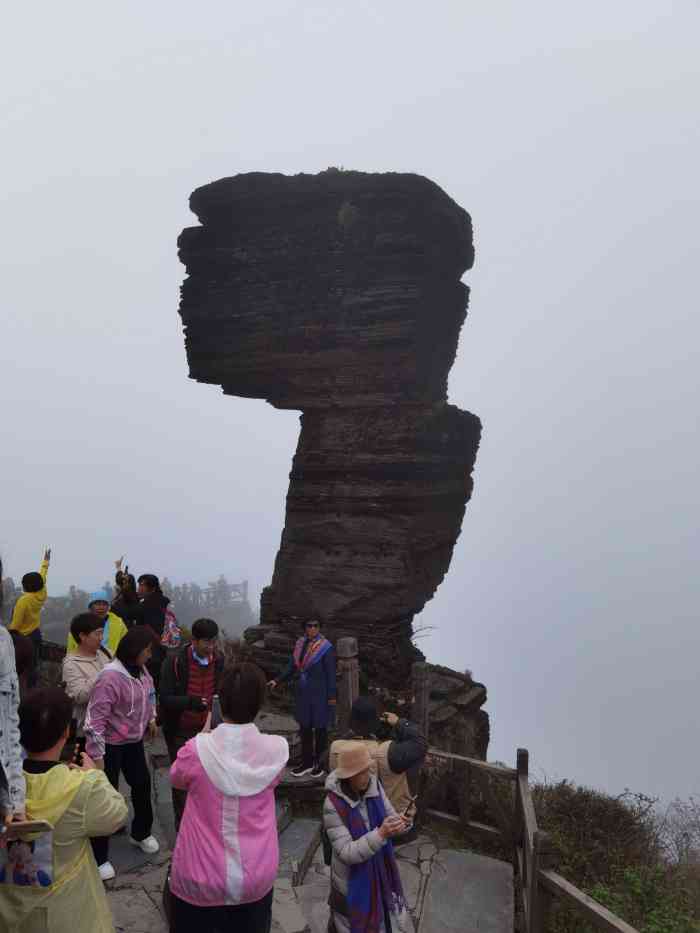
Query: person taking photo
[[360, 822], [59, 888]]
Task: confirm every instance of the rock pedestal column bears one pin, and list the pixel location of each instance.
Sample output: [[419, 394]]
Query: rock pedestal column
[[340, 295]]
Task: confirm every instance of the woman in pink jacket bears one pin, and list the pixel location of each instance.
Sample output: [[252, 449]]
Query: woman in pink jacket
[[227, 854], [121, 710]]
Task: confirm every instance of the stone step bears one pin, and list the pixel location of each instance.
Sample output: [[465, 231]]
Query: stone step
[[467, 893], [298, 845]]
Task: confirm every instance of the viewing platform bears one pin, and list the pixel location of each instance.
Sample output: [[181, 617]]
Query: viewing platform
[[448, 890]]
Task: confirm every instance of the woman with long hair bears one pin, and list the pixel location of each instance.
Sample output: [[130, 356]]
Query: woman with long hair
[[149, 610], [122, 708]]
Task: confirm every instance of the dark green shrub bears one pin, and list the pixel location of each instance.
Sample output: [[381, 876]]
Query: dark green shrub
[[595, 835], [654, 900], [610, 847]]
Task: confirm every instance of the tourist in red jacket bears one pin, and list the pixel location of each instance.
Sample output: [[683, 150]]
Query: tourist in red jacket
[[189, 680]]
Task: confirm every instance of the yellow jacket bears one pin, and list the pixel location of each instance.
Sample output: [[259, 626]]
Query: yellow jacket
[[114, 631], [78, 804], [25, 618]]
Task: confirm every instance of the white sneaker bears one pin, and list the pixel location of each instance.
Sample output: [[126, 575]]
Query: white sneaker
[[106, 870], [149, 845]]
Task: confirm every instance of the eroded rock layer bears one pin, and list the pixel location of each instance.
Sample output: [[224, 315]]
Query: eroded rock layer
[[339, 294]]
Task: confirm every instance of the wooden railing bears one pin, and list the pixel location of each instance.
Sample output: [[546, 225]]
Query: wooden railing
[[536, 881]]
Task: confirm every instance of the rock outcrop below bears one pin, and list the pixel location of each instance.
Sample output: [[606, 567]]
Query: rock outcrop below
[[339, 294]]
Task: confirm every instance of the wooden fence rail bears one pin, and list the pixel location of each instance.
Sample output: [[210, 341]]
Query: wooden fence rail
[[537, 883]]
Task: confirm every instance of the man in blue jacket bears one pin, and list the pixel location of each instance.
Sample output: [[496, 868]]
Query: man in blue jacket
[[312, 665]]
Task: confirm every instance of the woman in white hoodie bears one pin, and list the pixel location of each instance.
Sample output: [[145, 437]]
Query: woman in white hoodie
[[227, 855]]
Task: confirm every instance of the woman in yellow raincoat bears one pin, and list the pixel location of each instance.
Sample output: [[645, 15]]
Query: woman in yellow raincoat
[[78, 803]]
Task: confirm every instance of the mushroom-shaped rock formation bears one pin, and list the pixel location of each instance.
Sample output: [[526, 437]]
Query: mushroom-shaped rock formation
[[339, 294]]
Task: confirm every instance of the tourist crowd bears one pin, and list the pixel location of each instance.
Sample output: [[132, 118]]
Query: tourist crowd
[[63, 750]]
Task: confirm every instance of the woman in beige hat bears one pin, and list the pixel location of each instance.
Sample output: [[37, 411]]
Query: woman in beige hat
[[366, 894]]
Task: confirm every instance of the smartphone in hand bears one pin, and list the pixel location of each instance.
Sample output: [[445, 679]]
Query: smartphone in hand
[[408, 806], [216, 716], [79, 749], [18, 829]]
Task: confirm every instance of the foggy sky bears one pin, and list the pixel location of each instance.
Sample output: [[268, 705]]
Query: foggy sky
[[570, 133]]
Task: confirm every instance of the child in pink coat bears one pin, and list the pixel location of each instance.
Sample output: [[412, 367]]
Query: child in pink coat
[[227, 854]]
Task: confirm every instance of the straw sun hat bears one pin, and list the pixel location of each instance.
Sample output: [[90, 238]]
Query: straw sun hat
[[352, 759]]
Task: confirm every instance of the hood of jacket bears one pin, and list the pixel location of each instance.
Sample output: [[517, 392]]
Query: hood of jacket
[[333, 784], [116, 667], [50, 794], [239, 760]]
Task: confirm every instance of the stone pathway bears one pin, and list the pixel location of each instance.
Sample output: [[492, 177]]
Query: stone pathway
[[136, 897], [447, 890], [467, 893]]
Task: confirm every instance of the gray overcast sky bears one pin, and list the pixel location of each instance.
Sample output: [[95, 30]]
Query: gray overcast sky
[[570, 133]]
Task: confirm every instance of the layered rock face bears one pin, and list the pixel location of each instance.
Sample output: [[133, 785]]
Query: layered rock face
[[339, 294]]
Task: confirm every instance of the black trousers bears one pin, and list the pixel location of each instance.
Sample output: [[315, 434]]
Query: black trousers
[[241, 918], [155, 664], [313, 745], [130, 760], [33, 674]]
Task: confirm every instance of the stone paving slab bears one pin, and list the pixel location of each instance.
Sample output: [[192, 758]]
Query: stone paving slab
[[127, 857], [468, 893], [298, 845], [163, 806], [286, 911], [135, 895], [135, 899], [137, 913], [313, 901], [411, 882]]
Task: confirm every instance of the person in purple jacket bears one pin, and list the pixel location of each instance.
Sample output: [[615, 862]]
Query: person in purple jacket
[[122, 709], [227, 854]]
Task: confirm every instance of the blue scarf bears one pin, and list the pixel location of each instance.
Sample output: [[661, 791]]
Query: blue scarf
[[376, 882]]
